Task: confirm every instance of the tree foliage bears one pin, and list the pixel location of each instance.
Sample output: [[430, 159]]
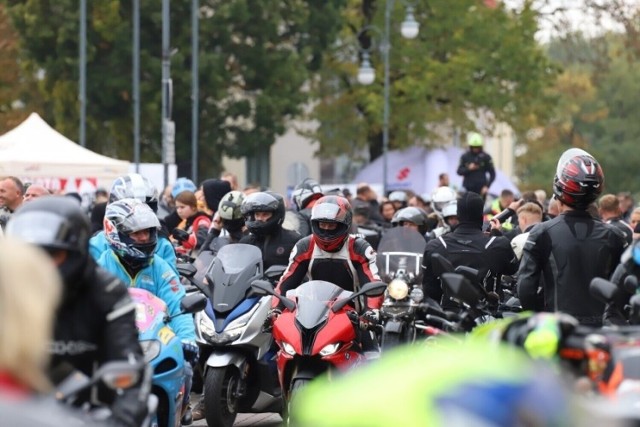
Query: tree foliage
[[254, 60], [597, 111], [468, 58]]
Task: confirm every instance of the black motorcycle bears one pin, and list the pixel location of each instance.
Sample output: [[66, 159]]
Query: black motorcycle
[[399, 260]]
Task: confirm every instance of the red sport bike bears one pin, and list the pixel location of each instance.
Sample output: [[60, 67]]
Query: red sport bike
[[317, 332]]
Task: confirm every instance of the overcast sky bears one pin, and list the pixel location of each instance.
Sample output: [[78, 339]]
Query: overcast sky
[[575, 15]]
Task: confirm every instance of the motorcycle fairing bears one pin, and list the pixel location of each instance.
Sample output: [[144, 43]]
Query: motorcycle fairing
[[231, 274], [220, 323]]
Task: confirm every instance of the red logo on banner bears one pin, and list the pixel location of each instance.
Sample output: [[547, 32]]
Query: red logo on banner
[[403, 174]]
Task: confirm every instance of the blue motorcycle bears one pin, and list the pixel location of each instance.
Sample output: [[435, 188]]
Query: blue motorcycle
[[163, 351], [240, 374]]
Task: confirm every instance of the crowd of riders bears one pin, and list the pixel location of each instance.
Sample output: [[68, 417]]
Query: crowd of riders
[[135, 236]]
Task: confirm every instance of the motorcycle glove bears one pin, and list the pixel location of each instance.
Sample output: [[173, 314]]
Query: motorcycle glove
[[271, 317], [371, 317], [191, 351]]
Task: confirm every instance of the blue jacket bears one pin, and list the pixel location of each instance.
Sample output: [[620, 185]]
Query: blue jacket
[[98, 245], [159, 279]]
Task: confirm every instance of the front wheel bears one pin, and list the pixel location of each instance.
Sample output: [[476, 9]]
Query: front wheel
[[296, 386], [221, 402], [391, 340]]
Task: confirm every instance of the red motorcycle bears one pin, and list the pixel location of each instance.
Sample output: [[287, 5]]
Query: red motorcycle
[[317, 332]]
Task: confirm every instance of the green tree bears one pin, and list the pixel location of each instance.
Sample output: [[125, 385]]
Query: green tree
[[596, 110], [254, 57], [16, 87], [467, 58]]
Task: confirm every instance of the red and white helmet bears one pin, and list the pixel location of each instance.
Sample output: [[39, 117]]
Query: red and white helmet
[[333, 209], [579, 179]]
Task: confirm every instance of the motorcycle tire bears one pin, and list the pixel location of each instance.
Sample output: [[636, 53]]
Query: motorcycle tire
[[391, 340], [296, 386], [221, 404]]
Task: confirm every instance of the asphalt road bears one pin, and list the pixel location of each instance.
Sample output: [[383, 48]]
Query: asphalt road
[[245, 420]]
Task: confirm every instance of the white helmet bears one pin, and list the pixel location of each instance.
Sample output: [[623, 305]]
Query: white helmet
[[450, 209], [441, 197]]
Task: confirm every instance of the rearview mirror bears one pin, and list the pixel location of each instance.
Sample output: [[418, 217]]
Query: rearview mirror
[[193, 303], [264, 287], [373, 289], [275, 271], [470, 273], [461, 288], [440, 265], [602, 289], [630, 284]]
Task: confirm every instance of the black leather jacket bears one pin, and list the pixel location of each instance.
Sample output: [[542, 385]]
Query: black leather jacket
[[95, 326], [572, 248], [275, 247], [475, 179], [467, 245]]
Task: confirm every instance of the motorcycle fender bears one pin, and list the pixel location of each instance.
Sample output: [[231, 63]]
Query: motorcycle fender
[[307, 374], [221, 359], [394, 326]]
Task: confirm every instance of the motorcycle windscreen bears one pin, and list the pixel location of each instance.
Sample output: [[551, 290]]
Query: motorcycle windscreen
[[202, 264], [149, 309], [313, 299], [231, 274], [401, 249]]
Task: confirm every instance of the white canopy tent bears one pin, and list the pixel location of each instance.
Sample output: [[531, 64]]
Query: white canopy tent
[[36, 152]]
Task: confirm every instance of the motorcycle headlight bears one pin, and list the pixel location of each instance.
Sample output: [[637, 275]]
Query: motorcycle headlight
[[398, 289], [206, 325], [241, 321], [417, 294], [329, 349], [150, 349], [288, 348]]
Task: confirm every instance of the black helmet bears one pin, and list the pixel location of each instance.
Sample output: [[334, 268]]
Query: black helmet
[[55, 223], [266, 201], [333, 209], [579, 179], [305, 192], [128, 216], [135, 186], [411, 214]]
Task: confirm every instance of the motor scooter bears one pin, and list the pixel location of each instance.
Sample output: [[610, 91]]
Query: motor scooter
[[240, 374], [163, 351]]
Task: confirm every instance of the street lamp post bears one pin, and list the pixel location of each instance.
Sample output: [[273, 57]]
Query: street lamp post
[[366, 73]]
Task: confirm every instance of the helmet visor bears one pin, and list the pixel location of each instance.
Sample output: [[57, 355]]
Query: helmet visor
[[41, 228], [568, 155], [326, 211]]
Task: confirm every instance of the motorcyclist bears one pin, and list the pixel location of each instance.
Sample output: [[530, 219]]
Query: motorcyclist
[[27, 315], [331, 254], [447, 221], [228, 225], [131, 228], [411, 217], [614, 313], [263, 214], [467, 245], [95, 322], [475, 165], [141, 188], [304, 197], [399, 199], [572, 248]]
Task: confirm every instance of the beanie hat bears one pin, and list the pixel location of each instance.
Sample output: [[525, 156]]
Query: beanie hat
[[470, 209], [214, 190]]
